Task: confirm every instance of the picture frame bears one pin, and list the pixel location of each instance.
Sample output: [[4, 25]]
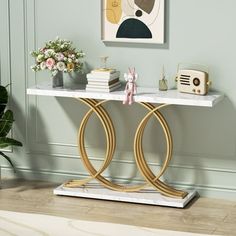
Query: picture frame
[[133, 21]]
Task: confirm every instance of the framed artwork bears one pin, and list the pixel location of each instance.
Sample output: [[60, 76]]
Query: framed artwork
[[139, 21]]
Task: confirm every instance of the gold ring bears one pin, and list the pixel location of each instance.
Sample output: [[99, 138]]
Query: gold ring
[[138, 151]]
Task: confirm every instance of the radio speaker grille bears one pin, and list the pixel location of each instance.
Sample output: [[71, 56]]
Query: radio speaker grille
[[185, 79]]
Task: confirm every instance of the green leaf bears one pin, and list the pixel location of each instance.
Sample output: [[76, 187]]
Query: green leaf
[[6, 123], [5, 142], [8, 159], [3, 98]]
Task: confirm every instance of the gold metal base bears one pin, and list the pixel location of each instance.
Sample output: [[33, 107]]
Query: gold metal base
[[149, 176]]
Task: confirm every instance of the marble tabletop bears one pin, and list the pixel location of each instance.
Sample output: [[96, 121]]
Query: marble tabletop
[[151, 95]]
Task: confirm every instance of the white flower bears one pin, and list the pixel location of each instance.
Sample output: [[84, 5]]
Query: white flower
[[65, 58], [69, 60], [43, 65], [49, 52], [39, 58], [61, 66], [59, 56]]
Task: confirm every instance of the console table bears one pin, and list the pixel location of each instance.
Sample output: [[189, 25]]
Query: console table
[[161, 193]]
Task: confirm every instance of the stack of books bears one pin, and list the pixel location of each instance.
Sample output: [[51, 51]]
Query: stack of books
[[103, 80]]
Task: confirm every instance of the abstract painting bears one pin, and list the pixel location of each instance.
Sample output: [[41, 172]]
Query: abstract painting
[[140, 21]]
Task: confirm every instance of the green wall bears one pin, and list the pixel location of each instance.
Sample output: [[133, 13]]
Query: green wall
[[204, 138]]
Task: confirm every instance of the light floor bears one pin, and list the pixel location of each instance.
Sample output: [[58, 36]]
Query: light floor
[[202, 216]]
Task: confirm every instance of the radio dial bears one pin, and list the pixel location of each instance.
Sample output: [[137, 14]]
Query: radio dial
[[196, 81]]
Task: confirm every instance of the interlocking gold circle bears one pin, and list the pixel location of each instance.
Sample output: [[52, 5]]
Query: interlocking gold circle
[[111, 140], [138, 151], [140, 159]]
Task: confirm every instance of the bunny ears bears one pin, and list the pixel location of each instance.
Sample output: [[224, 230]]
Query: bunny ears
[[132, 72], [131, 75]]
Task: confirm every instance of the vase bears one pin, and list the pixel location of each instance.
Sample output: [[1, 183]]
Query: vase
[[163, 85], [57, 80]]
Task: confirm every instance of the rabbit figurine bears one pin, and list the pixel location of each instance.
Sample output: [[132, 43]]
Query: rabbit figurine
[[131, 87]]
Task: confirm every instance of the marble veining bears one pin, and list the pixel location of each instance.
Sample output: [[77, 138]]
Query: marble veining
[[146, 196], [151, 95]]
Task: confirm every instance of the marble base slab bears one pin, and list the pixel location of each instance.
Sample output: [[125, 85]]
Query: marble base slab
[[146, 196]]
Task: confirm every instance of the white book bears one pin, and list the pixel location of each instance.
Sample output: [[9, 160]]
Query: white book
[[103, 76], [107, 90], [102, 86], [102, 82]]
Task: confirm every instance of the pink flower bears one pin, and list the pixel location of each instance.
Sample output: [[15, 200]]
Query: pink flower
[[42, 49], [50, 63]]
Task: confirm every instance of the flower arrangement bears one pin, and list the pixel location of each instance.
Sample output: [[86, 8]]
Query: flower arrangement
[[58, 55]]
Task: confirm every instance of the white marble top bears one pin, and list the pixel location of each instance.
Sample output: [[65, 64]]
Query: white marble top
[[151, 95]]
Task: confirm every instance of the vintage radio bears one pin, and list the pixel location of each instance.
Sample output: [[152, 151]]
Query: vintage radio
[[192, 81]]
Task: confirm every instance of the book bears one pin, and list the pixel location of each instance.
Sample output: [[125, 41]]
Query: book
[[103, 89], [100, 82], [103, 71], [101, 86], [103, 76]]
